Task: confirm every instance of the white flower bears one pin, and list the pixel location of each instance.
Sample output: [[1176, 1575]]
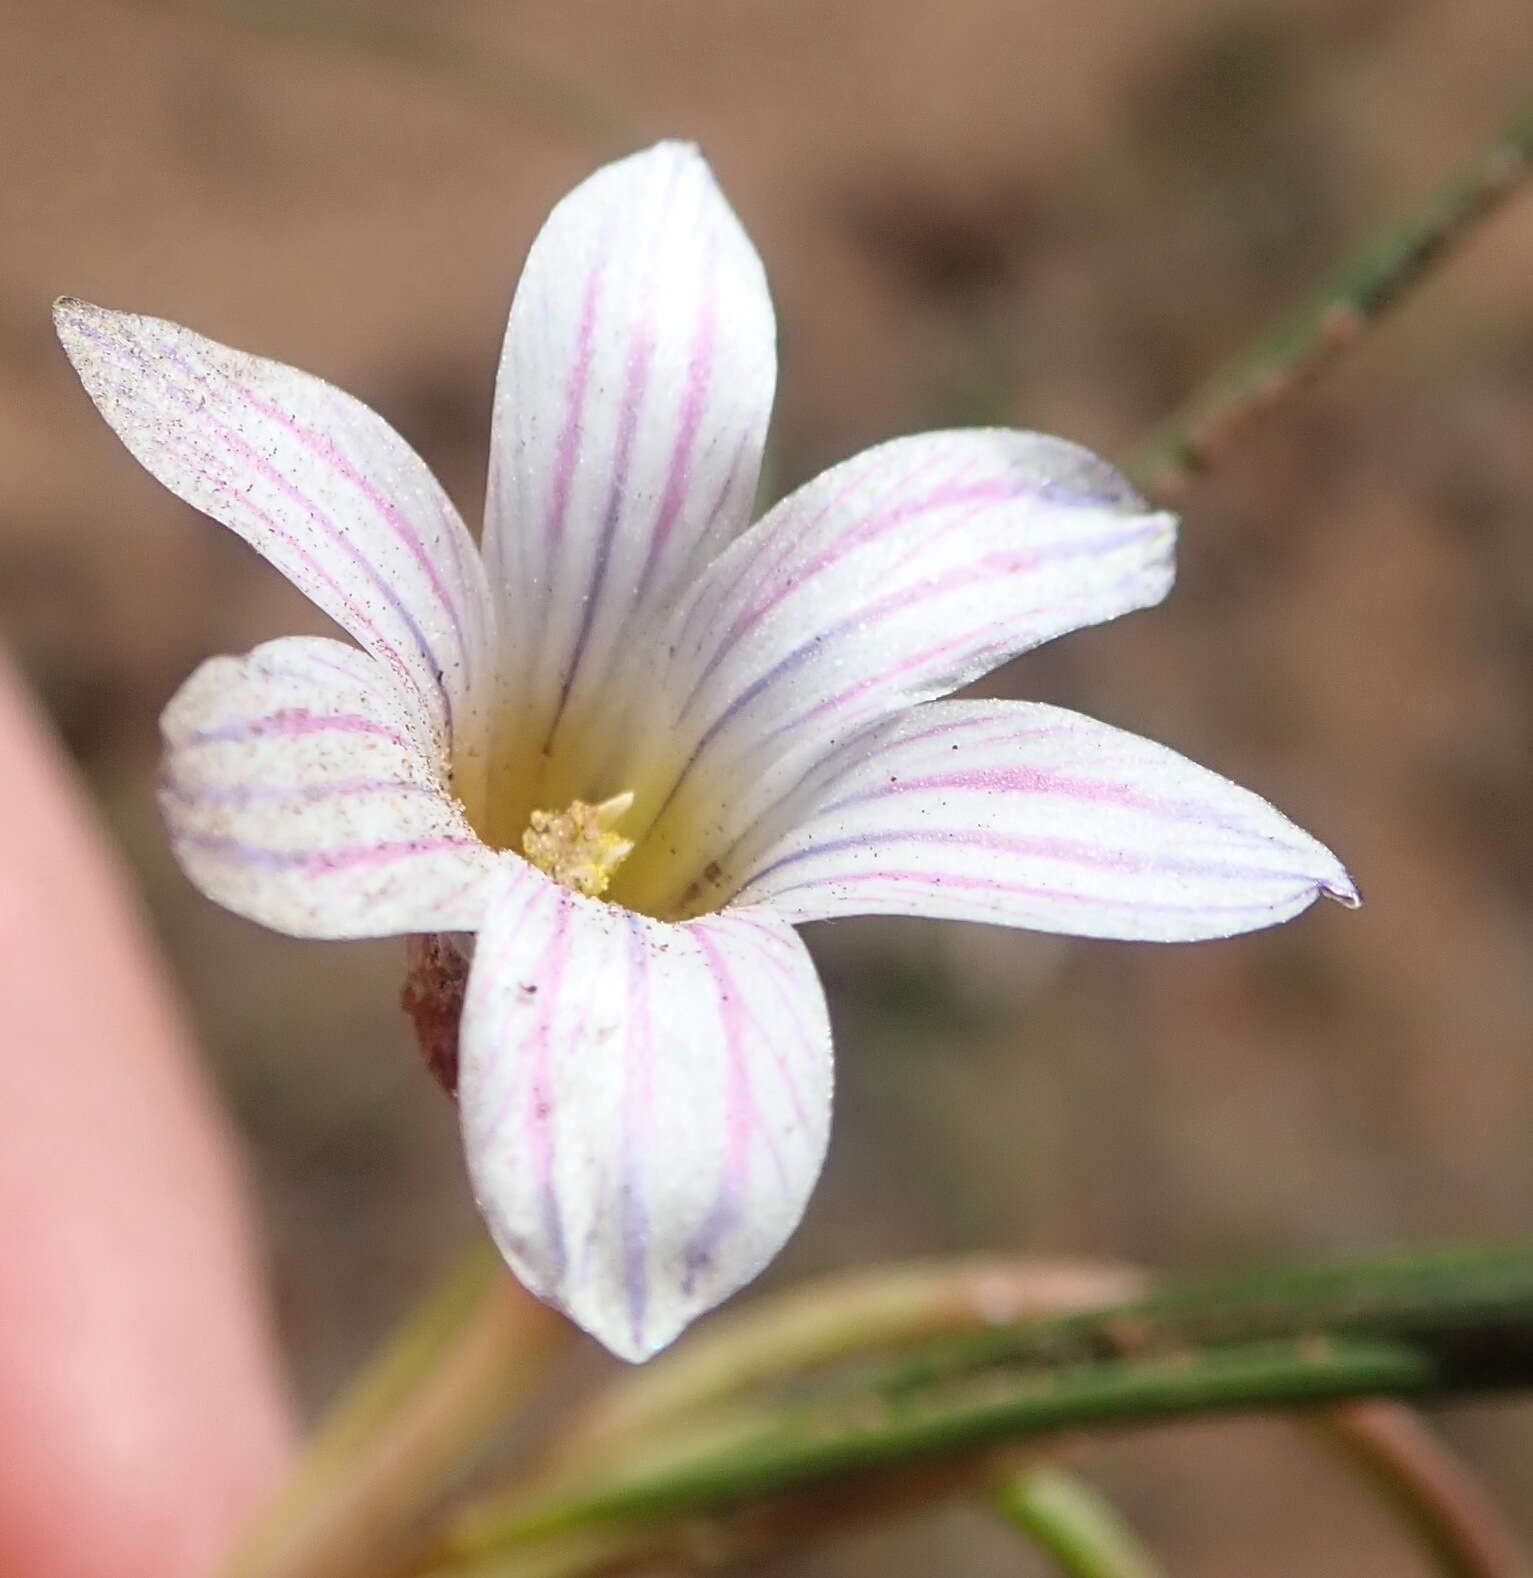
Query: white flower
[[697, 735]]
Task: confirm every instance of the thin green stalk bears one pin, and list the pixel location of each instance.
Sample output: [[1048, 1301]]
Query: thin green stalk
[[445, 1384], [1405, 1326], [1356, 295], [850, 1314], [1080, 1529], [1429, 1294], [817, 1447]]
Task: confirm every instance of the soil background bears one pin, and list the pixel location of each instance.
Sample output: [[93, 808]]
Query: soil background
[[1052, 213]]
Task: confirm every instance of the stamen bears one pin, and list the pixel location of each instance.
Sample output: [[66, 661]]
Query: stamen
[[578, 846]]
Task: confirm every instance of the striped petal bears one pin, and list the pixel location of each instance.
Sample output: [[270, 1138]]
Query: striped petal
[[316, 483], [1027, 815], [630, 414], [297, 796], [893, 578], [645, 1107]]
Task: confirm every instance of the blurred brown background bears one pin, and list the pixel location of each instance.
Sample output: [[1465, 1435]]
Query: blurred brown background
[[1057, 213]]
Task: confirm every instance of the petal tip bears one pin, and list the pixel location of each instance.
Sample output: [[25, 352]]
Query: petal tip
[[1342, 889], [627, 1344], [70, 316], [1164, 527], [82, 327], [599, 1309], [674, 159], [670, 153], [1157, 569], [679, 148]]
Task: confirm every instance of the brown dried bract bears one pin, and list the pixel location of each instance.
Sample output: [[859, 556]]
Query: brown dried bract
[[435, 978]]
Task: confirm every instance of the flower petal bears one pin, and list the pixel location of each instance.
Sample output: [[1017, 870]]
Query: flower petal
[[312, 479], [630, 416], [1027, 815], [296, 796], [645, 1107], [893, 578]]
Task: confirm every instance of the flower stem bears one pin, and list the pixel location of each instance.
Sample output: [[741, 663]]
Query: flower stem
[[684, 1397], [1335, 316], [437, 1392], [1433, 1491], [1427, 1295], [810, 1447], [1424, 1325], [852, 1314], [1074, 1524]]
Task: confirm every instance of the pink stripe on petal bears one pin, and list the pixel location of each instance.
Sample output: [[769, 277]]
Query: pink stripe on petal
[[295, 795], [892, 579], [641, 354], [638, 1132], [290, 723], [249, 793], [1030, 816], [302, 567], [324, 449], [315, 482], [689, 422], [304, 507], [687, 1071], [322, 862], [668, 370], [575, 392]]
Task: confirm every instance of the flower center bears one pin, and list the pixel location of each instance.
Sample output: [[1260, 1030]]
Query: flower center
[[579, 846]]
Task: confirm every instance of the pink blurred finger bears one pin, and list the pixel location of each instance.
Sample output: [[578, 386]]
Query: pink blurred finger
[[140, 1412]]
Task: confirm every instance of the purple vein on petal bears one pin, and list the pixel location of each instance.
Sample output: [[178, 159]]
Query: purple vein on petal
[[310, 507], [762, 554], [640, 356], [778, 590], [963, 643], [523, 1082], [576, 388], [916, 878], [1024, 780], [997, 563], [312, 660], [1041, 847], [291, 723], [861, 621], [694, 401], [388, 512], [186, 448], [786, 995], [725, 1213], [238, 794], [1002, 644], [635, 395], [774, 548], [323, 862], [237, 444], [637, 1127]]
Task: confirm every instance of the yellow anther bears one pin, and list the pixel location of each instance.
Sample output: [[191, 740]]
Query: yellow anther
[[578, 846]]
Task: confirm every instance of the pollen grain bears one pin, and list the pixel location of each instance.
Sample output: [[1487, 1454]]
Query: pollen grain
[[579, 846]]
